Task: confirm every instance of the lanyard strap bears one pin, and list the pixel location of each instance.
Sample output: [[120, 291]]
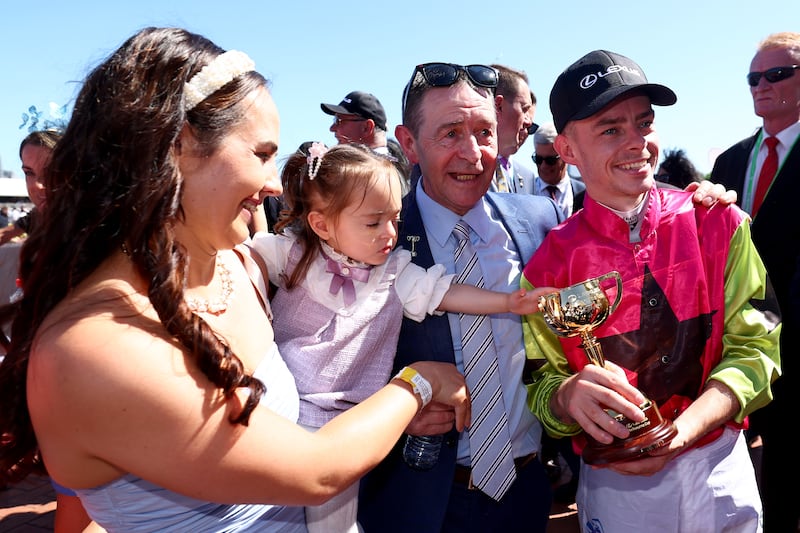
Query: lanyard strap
[[747, 201]]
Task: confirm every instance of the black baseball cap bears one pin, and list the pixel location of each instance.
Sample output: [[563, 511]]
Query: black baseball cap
[[593, 81], [365, 105]]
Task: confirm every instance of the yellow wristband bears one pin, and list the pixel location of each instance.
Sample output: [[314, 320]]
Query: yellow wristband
[[419, 384]]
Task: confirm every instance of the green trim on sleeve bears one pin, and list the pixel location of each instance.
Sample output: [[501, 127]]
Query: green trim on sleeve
[[551, 369], [540, 394], [750, 341]]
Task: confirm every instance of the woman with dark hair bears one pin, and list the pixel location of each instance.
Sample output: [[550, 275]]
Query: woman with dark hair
[[34, 152], [142, 370]]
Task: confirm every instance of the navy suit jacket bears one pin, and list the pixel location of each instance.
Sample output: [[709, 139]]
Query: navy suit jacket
[[776, 232], [394, 497], [578, 193], [776, 235]]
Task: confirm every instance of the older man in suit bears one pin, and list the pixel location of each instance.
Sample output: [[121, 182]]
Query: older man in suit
[[765, 170], [449, 125]]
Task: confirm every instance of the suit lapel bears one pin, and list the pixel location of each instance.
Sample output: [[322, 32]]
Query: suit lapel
[[412, 232], [578, 192], [786, 184], [516, 223], [738, 167], [413, 236]]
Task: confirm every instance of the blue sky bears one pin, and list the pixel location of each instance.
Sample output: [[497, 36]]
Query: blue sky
[[319, 51]]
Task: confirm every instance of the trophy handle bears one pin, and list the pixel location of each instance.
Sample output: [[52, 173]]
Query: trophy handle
[[613, 274]]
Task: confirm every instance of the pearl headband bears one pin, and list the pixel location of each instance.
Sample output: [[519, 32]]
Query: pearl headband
[[212, 77]]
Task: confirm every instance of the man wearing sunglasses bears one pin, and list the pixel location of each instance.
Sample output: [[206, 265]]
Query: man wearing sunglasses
[[553, 180], [359, 118], [516, 106], [771, 196], [449, 128], [695, 331]]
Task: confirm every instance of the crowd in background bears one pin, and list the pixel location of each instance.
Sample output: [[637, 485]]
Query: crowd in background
[[10, 213]]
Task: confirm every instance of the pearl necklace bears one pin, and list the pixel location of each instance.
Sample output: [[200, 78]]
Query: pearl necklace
[[219, 305]]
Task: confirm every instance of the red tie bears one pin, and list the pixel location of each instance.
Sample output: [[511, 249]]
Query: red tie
[[768, 170]]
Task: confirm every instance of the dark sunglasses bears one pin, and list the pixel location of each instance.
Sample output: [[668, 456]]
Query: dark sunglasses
[[337, 121], [446, 74], [773, 75], [533, 128], [549, 159]]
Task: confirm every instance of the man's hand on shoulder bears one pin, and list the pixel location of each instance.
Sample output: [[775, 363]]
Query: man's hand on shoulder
[[708, 194]]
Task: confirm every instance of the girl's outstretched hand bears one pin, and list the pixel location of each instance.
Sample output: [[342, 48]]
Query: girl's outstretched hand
[[526, 302]]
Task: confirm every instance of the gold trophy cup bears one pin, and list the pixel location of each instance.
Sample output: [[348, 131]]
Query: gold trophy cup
[[578, 310]]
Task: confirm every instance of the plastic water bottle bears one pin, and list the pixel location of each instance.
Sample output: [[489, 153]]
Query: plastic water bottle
[[422, 452]]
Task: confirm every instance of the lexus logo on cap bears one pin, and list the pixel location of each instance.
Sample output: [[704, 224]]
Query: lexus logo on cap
[[590, 79]]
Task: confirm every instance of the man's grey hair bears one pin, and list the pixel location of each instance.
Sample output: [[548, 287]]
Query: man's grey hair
[[546, 134]]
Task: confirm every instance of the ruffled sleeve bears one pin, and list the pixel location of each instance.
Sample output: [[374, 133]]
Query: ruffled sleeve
[[275, 251], [420, 290]]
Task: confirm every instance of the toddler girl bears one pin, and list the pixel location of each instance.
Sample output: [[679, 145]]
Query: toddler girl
[[343, 288]]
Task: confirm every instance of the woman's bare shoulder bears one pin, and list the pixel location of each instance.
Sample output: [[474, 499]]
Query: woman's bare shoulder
[[103, 332], [108, 314]]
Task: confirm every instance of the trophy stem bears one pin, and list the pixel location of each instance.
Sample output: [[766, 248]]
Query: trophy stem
[[592, 348]]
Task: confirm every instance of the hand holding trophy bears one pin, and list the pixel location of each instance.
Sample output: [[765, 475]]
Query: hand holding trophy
[[578, 310]]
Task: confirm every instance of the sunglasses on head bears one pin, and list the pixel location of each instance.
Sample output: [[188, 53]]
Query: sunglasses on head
[[549, 159], [446, 74], [772, 75]]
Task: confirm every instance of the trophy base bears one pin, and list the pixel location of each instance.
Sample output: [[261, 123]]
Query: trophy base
[[652, 433]]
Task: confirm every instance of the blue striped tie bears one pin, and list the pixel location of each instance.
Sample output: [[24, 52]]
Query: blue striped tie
[[489, 437]]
